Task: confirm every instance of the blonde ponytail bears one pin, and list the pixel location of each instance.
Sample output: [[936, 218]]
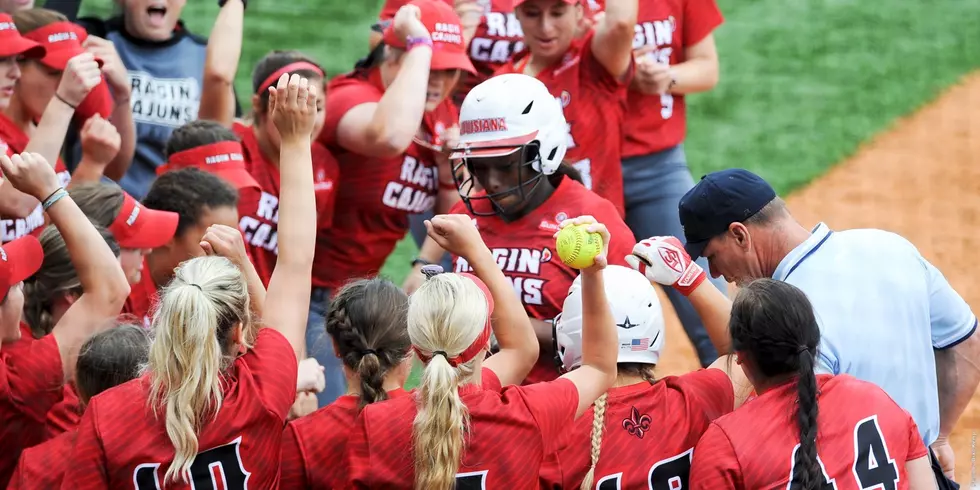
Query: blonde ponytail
[[198, 313], [599, 414], [445, 316]]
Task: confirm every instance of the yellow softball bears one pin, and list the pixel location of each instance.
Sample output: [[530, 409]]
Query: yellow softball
[[577, 247]]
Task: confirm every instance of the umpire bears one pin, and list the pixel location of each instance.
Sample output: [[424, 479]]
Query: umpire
[[886, 314]]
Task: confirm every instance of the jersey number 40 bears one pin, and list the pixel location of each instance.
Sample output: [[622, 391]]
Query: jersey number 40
[[218, 468], [873, 466]]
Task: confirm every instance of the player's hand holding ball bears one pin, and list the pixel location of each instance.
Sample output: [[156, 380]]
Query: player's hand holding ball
[[292, 103], [457, 234], [583, 243], [663, 260]]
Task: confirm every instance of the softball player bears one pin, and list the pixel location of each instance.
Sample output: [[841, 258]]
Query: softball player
[[917, 335], [804, 431]]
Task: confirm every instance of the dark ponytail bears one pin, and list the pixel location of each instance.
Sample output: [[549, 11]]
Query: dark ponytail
[[774, 329], [368, 324], [566, 170]]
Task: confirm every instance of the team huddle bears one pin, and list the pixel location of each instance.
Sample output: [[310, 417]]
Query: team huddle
[[191, 299]]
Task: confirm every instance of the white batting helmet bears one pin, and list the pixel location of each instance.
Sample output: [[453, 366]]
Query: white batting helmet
[[635, 308]]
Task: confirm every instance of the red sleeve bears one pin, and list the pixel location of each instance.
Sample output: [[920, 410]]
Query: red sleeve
[[87, 468], [292, 469], [274, 367], [340, 101], [358, 456], [18, 480], [595, 72], [917, 448], [713, 388], [31, 379], [701, 17], [326, 188], [715, 464], [99, 101], [552, 405], [489, 380]]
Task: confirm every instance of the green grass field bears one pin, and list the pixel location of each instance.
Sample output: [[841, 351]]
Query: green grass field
[[803, 82]]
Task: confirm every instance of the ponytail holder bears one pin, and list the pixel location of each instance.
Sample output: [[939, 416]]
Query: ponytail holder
[[365, 352], [432, 270], [297, 66], [802, 349], [198, 286], [479, 343], [440, 353]]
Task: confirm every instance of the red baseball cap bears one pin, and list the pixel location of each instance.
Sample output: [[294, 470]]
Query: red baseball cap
[[225, 159], [13, 44], [62, 41], [140, 227], [517, 3], [448, 50], [19, 260]]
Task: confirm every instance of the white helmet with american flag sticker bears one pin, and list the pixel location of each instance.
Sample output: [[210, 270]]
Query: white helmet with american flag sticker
[[635, 309]]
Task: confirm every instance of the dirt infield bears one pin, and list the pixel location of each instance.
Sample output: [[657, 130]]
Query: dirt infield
[[921, 179]]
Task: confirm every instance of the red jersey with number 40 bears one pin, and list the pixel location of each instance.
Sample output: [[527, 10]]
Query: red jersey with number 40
[[594, 104], [649, 433], [658, 122], [525, 251], [863, 440], [122, 444], [258, 218], [511, 432], [376, 195]]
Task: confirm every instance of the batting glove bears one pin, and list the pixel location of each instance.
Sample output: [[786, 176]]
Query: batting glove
[[662, 260]]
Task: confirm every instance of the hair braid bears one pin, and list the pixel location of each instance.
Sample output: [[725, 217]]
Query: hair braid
[[808, 471], [598, 418]]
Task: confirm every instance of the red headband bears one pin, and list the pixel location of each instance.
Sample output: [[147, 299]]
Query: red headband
[[481, 340], [297, 66], [224, 152]]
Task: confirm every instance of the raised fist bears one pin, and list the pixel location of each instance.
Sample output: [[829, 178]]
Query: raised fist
[[81, 75], [662, 260]]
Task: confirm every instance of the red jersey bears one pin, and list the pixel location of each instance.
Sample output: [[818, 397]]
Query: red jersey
[[649, 433], [376, 196], [863, 440], [243, 441], [42, 467], [524, 250], [31, 378], [259, 214], [497, 38], [671, 26], [13, 140], [511, 432], [65, 415], [142, 297], [594, 104]]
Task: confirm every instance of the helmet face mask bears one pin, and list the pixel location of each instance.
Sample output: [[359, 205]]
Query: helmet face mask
[[487, 203]]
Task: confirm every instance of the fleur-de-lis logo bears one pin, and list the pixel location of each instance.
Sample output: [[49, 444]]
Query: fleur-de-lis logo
[[637, 425]]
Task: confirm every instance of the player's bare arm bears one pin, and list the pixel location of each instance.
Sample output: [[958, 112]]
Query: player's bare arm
[[385, 129], [293, 107], [228, 242], [117, 79], [104, 284], [920, 475], [697, 73], [224, 52], [957, 374], [511, 326], [613, 41]]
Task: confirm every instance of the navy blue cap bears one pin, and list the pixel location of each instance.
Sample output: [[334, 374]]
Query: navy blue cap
[[718, 200]]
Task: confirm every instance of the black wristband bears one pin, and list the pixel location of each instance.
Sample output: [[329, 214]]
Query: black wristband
[[63, 101], [420, 261], [221, 3]]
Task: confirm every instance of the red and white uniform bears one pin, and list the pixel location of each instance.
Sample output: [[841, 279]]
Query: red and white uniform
[[43, 466], [863, 440], [511, 432], [497, 38], [525, 252], [376, 196], [259, 218], [649, 433], [658, 122], [65, 415], [593, 101], [241, 444], [13, 140]]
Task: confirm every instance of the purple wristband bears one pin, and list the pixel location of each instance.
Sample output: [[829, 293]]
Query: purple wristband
[[412, 42]]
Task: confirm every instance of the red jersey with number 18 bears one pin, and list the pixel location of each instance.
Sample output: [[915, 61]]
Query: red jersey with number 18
[[525, 252], [240, 448], [594, 102], [376, 195], [863, 440]]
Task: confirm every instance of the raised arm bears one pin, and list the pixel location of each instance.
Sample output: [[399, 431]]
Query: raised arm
[[599, 338], [100, 146], [385, 129], [117, 78], [613, 41], [104, 285], [227, 242], [292, 104], [224, 52]]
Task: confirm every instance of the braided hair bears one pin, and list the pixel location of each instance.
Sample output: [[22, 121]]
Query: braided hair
[[775, 331], [368, 324]]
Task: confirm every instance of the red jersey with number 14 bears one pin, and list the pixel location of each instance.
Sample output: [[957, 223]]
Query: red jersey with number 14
[[525, 251], [863, 440], [122, 444], [594, 102]]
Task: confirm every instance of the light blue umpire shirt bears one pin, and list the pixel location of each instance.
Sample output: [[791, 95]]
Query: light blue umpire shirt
[[882, 309]]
